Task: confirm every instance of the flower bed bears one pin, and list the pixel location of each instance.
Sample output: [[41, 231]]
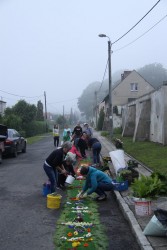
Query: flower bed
[[79, 225]]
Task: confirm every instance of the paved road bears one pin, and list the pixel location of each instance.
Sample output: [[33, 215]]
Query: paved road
[[26, 223]]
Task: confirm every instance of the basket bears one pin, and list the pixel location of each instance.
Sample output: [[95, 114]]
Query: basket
[[120, 186], [53, 200]]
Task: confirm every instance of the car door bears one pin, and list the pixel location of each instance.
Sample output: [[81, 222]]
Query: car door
[[17, 139]]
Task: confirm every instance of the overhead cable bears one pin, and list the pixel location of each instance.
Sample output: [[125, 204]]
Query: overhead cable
[[136, 23], [142, 34], [103, 76], [20, 95]]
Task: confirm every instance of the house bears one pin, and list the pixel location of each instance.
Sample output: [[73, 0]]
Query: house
[[131, 86]]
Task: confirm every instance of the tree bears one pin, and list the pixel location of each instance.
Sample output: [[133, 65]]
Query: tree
[[100, 120], [39, 116], [154, 73], [27, 112], [87, 102], [13, 121], [61, 120]]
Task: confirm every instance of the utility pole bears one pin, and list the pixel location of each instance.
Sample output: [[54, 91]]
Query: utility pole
[[110, 86], [63, 117], [45, 111], [96, 107], [110, 90]]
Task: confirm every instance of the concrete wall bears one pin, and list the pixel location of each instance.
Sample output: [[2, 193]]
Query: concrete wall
[[146, 118]]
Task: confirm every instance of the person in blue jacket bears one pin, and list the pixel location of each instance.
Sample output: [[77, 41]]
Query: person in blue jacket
[[96, 181]]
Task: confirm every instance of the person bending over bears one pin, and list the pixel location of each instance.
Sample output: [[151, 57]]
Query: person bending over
[[53, 164], [96, 181], [95, 145]]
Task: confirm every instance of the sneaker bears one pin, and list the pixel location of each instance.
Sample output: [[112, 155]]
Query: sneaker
[[101, 197]]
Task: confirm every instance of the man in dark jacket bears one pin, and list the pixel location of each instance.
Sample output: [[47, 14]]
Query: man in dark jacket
[[76, 134], [53, 164]]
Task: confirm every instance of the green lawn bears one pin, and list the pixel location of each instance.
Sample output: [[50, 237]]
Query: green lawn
[[36, 138], [151, 154]]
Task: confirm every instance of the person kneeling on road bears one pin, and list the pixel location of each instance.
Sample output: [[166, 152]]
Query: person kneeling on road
[[96, 181]]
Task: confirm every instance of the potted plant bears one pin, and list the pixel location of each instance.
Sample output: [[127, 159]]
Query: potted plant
[[128, 174], [148, 187], [144, 190]]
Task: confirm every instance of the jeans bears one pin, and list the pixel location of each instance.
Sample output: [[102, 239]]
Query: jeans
[[102, 187], [52, 175], [96, 148], [56, 141]]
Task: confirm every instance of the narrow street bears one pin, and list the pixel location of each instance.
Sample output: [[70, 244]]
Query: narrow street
[[26, 223]]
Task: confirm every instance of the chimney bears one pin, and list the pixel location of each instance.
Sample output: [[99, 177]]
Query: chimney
[[122, 77]]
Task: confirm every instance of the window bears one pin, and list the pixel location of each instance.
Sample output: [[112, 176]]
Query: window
[[134, 86]]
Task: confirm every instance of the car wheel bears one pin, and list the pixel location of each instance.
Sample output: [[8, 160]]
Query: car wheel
[[0, 157], [24, 149], [15, 152]]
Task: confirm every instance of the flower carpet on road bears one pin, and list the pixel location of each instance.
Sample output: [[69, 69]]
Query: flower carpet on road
[[79, 224]]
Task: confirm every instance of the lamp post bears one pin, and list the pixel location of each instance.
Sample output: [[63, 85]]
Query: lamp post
[[110, 85]]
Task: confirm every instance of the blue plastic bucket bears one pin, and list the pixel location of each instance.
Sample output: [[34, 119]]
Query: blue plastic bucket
[[46, 189]]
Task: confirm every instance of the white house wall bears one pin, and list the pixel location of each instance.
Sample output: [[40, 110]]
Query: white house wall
[[157, 115]]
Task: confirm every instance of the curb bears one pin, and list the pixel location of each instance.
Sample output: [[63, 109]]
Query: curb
[[136, 229]]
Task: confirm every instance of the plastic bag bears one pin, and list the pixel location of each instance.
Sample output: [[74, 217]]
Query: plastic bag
[[161, 216]]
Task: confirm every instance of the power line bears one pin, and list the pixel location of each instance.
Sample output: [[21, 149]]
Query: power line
[[103, 76], [142, 34], [20, 95], [136, 23]]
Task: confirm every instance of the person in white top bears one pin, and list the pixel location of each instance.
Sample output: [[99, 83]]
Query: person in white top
[[56, 135]]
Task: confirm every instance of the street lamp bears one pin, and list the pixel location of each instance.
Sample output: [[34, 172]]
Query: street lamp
[[110, 85]]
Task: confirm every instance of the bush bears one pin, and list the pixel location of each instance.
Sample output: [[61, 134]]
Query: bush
[[105, 133], [118, 130]]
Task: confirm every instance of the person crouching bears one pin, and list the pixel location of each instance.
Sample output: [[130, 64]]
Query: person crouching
[[96, 181]]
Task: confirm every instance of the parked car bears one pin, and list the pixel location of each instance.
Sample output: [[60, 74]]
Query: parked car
[[3, 136], [14, 143]]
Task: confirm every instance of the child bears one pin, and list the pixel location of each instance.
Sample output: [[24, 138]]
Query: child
[[67, 137]]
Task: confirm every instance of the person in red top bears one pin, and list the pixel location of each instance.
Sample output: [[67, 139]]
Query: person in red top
[[74, 154]]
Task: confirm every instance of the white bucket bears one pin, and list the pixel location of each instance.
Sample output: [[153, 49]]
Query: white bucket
[[70, 179], [118, 159]]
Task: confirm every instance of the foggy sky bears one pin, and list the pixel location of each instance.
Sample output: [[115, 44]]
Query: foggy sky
[[53, 46]]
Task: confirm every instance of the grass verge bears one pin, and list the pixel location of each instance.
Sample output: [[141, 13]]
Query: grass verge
[[151, 154]]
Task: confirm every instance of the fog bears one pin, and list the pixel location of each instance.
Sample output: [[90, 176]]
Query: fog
[[53, 46]]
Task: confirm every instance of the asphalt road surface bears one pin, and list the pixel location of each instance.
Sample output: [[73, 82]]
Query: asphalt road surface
[[25, 221]]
